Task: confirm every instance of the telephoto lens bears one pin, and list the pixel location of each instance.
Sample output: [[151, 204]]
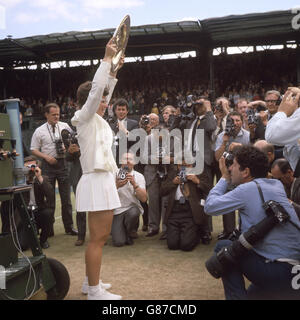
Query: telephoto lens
[[218, 264]]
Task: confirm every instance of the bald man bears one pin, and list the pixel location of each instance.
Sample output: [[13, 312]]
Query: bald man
[[267, 148]]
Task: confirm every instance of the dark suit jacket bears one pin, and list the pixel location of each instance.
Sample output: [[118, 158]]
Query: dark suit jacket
[[197, 192], [42, 194], [209, 124]]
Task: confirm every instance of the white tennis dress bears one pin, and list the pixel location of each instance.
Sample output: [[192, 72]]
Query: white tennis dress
[[96, 190]]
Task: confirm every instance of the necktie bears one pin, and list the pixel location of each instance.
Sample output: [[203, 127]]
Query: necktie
[[53, 129], [197, 123]]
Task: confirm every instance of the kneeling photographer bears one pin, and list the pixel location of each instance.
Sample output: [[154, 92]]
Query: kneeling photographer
[[38, 202], [269, 245]]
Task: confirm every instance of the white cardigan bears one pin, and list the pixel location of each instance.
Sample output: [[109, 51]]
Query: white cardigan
[[95, 136]]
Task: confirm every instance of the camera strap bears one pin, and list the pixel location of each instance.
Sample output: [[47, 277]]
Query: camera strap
[[260, 192]]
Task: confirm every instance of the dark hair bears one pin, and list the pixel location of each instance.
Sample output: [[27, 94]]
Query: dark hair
[[235, 113], [120, 102], [31, 158], [49, 106], [254, 159], [283, 165], [84, 90]]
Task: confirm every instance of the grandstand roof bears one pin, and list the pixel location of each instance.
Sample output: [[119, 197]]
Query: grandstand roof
[[236, 30]]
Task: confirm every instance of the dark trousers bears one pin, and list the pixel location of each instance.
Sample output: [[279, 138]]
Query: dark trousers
[[182, 231], [42, 217], [80, 218], [59, 173], [269, 280], [123, 225]]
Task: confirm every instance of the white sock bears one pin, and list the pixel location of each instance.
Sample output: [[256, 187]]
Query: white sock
[[93, 290], [86, 280]]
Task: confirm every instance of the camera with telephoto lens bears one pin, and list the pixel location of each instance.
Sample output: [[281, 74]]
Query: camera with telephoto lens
[[252, 117], [223, 261], [123, 173], [228, 158], [182, 175], [230, 127]]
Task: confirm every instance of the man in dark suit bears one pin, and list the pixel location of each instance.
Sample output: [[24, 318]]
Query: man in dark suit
[[282, 170], [205, 120], [38, 202], [121, 127], [186, 221]]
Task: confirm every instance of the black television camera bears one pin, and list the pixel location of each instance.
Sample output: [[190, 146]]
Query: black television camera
[[221, 262], [230, 127], [123, 173], [69, 138]]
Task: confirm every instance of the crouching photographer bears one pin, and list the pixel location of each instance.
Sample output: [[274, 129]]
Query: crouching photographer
[[38, 205], [132, 191], [269, 244]]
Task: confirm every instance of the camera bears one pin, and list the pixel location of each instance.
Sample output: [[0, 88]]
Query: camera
[[69, 138], [252, 117], [228, 158], [230, 127], [218, 107], [161, 171], [182, 175], [59, 146], [145, 120], [123, 173], [223, 261]]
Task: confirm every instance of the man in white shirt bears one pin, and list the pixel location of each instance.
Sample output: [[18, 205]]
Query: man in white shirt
[[46, 143], [284, 128], [132, 190]]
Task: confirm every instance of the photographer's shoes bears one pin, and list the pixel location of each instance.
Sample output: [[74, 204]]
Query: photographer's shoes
[[72, 232], [224, 235], [45, 245], [85, 286]]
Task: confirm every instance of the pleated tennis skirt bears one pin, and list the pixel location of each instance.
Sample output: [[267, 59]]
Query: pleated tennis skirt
[[97, 191]]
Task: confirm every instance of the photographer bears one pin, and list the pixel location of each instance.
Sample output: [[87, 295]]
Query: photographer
[[203, 119], [72, 156], [284, 128], [131, 190], [147, 122], [282, 171], [232, 134], [46, 143], [269, 263], [121, 126], [185, 218], [38, 202]]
